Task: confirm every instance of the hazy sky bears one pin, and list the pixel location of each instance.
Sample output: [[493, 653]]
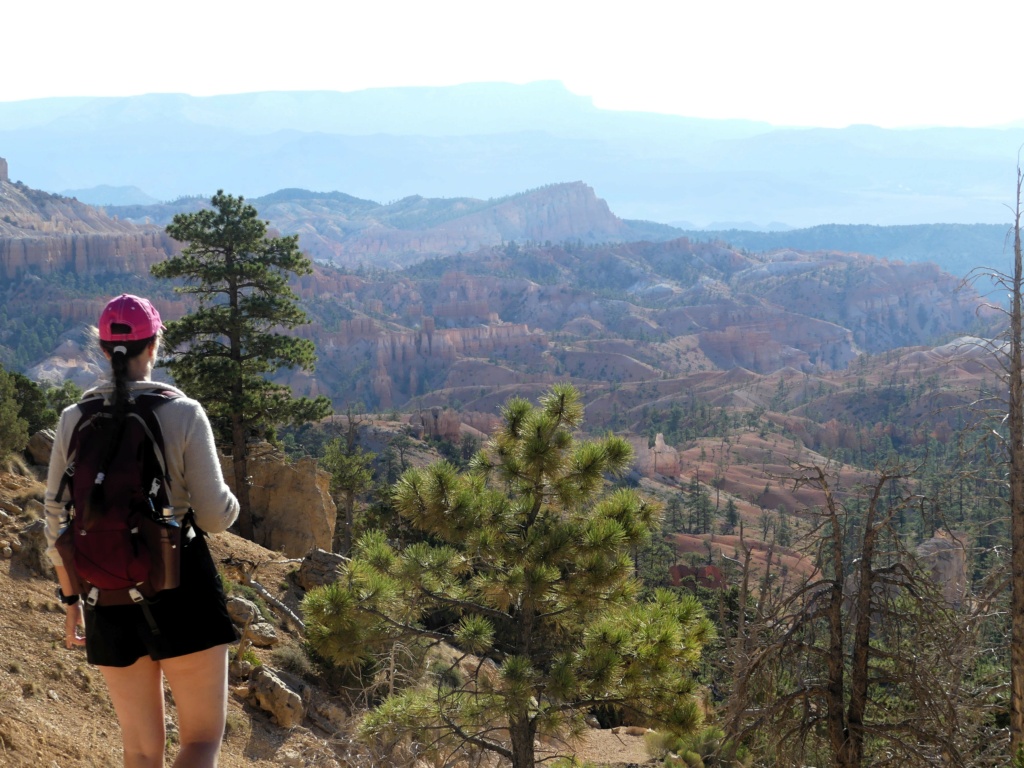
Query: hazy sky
[[789, 62]]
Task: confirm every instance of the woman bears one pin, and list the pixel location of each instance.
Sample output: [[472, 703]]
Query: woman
[[190, 644]]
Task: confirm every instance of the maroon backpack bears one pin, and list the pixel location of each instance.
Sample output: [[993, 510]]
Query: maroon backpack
[[119, 546]]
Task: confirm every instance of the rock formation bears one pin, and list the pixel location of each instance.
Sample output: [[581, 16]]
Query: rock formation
[[405, 362], [268, 691], [319, 567], [415, 226], [242, 611], [47, 234], [40, 446], [291, 503], [438, 422], [31, 555], [659, 459]]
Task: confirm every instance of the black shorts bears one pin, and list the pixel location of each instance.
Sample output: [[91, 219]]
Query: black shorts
[[193, 617]]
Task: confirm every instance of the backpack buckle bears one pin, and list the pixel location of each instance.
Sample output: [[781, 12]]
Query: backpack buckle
[[135, 595], [93, 597]]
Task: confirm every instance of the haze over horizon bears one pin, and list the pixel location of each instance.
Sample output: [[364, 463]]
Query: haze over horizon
[[789, 63]]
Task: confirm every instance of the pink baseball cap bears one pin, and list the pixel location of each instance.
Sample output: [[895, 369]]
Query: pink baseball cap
[[136, 313]]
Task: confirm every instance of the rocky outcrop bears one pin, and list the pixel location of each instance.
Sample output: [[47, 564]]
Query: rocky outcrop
[[40, 446], [31, 554], [482, 423], [47, 234], [437, 422], [84, 254], [270, 693], [71, 361], [263, 635], [242, 611], [405, 362], [319, 567], [292, 507], [658, 459]]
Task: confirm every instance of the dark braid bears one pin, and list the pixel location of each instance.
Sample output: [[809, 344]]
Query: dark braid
[[121, 352]]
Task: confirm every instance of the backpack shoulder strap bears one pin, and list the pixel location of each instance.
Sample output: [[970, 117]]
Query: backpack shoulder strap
[[144, 407], [90, 408]]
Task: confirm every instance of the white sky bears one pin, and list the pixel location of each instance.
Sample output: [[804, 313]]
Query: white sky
[[789, 62]]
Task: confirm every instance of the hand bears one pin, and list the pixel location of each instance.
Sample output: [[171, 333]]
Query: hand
[[74, 626]]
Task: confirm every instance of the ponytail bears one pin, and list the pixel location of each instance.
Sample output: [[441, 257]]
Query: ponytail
[[121, 352]]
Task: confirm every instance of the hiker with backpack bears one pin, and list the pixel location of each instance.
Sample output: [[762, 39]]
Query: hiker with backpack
[[134, 482]]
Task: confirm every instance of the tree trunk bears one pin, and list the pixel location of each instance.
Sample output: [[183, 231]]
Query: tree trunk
[[741, 654], [1016, 426], [521, 732], [857, 707], [834, 694], [240, 464], [343, 522], [239, 445], [350, 507]]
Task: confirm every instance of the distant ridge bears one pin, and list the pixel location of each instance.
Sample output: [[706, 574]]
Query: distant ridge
[[488, 140], [105, 194], [957, 248], [343, 229]]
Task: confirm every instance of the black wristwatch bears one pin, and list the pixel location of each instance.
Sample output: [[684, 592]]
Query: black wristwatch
[[66, 599]]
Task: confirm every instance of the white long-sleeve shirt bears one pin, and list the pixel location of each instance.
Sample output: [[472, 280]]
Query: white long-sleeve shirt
[[196, 479]]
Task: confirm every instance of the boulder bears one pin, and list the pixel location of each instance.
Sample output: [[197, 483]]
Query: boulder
[[292, 509], [263, 635], [39, 447], [32, 554], [270, 693], [319, 567], [242, 611], [35, 509]]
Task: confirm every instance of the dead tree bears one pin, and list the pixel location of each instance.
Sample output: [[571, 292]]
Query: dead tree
[[860, 662], [1009, 355], [1016, 448]]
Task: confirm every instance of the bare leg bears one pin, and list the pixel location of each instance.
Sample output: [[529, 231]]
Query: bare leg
[[137, 693], [199, 683]]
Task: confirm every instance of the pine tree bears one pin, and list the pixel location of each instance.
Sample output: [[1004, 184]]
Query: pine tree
[[32, 404], [528, 564], [732, 516], [351, 474], [13, 428], [223, 352]]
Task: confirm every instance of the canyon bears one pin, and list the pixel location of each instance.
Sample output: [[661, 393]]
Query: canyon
[[508, 296]]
